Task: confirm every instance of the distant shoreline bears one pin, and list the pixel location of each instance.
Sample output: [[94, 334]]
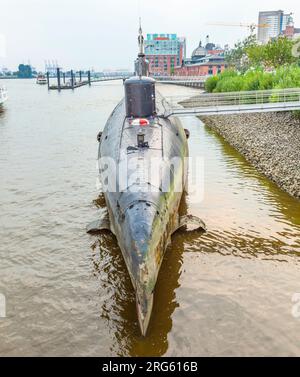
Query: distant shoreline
[[16, 78]]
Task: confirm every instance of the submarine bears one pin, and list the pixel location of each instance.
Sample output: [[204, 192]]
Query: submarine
[[143, 172]]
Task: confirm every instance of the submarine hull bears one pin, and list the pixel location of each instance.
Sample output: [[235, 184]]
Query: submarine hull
[[143, 185]]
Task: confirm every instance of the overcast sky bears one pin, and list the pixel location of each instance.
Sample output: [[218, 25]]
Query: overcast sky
[[83, 34]]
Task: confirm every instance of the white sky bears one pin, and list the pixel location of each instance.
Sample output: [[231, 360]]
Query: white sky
[[83, 34]]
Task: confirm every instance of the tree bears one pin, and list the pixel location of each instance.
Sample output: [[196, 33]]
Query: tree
[[276, 53], [25, 71], [279, 52], [256, 55], [237, 58]]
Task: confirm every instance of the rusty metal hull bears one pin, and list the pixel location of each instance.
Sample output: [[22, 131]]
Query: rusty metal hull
[[143, 209]]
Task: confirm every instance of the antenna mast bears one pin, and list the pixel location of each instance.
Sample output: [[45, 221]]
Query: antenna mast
[[141, 65], [141, 41]]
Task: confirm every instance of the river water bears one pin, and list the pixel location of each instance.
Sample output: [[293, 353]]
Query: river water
[[226, 292]]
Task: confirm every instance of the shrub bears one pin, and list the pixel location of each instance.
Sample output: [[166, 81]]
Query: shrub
[[251, 80], [211, 84], [230, 80], [229, 84], [228, 73], [266, 81], [296, 114]]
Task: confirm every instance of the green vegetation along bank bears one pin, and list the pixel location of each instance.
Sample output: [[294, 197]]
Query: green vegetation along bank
[[251, 66], [257, 79]]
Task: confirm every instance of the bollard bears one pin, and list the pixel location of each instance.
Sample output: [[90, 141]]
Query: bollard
[[89, 77], [48, 81]]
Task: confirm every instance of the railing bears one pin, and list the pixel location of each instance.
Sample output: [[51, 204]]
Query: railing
[[3, 94], [182, 78], [108, 78], [232, 101]]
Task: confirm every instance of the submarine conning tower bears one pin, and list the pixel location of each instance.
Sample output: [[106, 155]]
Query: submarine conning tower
[[140, 89], [140, 97]]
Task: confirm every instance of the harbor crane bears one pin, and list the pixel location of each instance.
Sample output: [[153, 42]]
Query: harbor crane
[[251, 26]]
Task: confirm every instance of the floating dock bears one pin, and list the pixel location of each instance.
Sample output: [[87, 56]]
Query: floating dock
[[74, 86]]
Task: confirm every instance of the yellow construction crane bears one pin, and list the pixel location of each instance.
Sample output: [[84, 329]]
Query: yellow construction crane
[[252, 27]]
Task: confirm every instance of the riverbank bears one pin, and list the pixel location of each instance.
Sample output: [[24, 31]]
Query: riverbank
[[269, 141], [8, 77]]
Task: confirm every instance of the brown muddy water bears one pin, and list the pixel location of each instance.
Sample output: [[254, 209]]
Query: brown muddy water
[[226, 292]]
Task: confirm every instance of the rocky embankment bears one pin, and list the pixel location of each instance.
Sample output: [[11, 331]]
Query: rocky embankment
[[269, 141]]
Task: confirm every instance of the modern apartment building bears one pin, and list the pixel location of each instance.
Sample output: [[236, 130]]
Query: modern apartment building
[[274, 22], [164, 52]]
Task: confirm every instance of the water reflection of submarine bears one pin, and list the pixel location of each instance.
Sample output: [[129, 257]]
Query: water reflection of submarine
[[118, 307], [143, 210]]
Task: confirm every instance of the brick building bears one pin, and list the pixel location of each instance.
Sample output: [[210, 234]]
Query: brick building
[[206, 60], [207, 66], [164, 52]]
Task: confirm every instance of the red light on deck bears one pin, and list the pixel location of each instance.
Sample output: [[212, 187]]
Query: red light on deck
[[144, 122], [140, 122]]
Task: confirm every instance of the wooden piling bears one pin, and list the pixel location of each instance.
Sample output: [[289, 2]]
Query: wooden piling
[[72, 79], [58, 78]]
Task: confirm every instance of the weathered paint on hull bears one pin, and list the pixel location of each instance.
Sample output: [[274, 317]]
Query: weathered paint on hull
[[143, 216]]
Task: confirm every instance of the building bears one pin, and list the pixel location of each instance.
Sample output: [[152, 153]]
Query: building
[[164, 52], [206, 60], [198, 54], [210, 65], [275, 21], [290, 31], [25, 71], [204, 50]]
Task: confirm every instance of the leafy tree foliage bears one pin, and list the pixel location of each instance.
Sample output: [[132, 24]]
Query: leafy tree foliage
[[275, 54], [237, 58], [249, 54]]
